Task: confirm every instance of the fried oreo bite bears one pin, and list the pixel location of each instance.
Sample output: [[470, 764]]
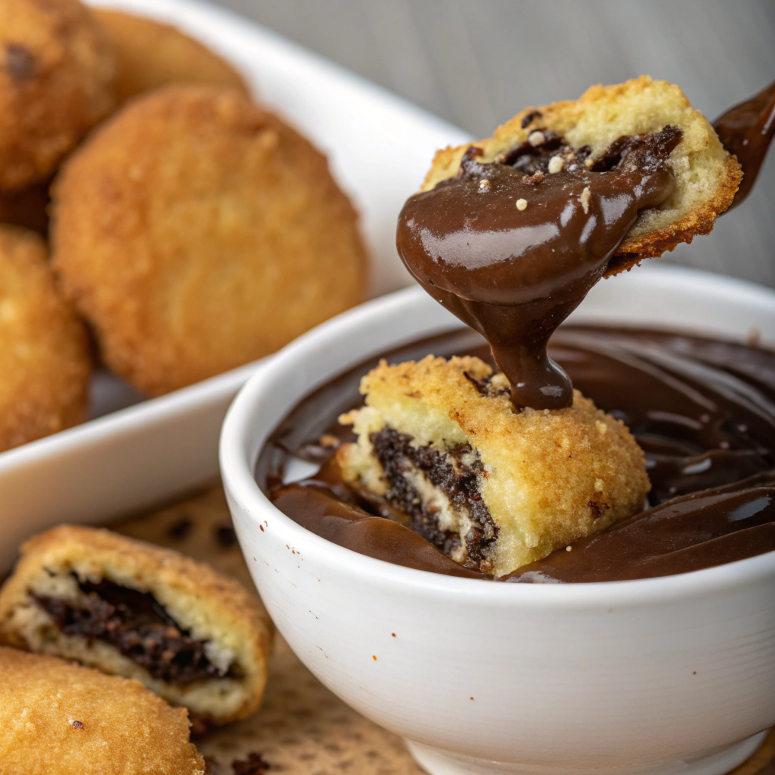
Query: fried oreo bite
[[196, 232], [56, 82], [151, 55], [60, 718], [493, 487], [194, 637], [596, 132], [45, 362]]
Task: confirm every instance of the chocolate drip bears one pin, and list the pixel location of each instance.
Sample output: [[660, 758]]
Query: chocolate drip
[[746, 131], [703, 411], [512, 250]]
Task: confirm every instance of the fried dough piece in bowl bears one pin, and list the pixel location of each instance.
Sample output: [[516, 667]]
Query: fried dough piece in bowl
[[151, 55], [596, 132], [197, 232], [45, 362], [441, 440], [56, 82], [57, 717]]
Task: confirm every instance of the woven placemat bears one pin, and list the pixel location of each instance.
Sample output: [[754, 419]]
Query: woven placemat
[[301, 728]]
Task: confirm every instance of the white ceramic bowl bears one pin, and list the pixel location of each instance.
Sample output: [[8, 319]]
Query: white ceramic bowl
[[664, 675]]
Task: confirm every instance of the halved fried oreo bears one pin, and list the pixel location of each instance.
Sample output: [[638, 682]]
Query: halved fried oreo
[[196, 638]]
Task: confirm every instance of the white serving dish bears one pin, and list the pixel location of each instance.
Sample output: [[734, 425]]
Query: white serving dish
[[668, 675], [135, 453]]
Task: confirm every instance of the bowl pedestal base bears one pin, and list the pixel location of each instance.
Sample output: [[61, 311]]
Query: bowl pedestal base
[[717, 762]]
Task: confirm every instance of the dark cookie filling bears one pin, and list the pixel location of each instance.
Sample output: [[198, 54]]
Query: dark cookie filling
[[139, 627], [485, 386], [458, 481], [533, 156]]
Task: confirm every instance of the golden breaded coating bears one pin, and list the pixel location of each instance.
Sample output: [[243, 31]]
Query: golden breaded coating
[[492, 487], [197, 232], [44, 353], [707, 177], [151, 55], [193, 636], [60, 719], [56, 83]]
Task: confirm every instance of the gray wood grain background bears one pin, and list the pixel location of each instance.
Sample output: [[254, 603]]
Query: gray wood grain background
[[477, 62]]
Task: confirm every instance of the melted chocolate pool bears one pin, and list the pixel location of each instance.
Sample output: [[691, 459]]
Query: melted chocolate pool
[[702, 410]]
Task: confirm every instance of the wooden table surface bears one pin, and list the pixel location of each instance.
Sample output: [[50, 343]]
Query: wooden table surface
[[477, 62]]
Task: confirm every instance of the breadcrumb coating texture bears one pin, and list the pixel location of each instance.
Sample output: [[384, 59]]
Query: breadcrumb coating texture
[[549, 476], [56, 82], [44, 354], [196, 232], [212, 607], [707, 177], [60, 718]]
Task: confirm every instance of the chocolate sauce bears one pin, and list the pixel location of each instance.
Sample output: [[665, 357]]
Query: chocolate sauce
[[746, 131], [703, 411], [512, 248]]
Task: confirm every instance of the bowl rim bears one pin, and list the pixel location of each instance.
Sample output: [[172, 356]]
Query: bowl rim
[[240, 484]]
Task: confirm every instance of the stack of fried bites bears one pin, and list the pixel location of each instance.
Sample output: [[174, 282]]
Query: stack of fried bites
[[182, 226]]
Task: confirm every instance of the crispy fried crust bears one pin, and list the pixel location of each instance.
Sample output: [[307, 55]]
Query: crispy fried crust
[[197, 232], [212, 607], [707, 177], [44, 354], [56, 82], [59, 718], [151, 55], [596, 469]]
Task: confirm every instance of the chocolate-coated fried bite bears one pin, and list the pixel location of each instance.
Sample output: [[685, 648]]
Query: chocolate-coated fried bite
[[598, 132], [196, 638]]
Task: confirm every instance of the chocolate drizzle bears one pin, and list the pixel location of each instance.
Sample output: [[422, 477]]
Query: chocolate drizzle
[[746, 130], [703, 411], [512, 250]]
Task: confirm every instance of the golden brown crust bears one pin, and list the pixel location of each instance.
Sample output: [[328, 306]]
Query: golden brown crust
[[44, 358], [697, 221], [59, 718], [150, 55], [56, 82], [211, 606], [197, 232], [707, 177]]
